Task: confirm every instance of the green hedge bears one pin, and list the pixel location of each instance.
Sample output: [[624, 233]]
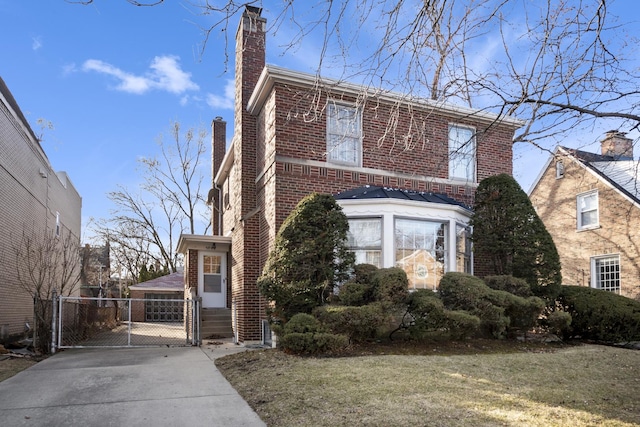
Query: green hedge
[[600, 315], [498, 310], [513, 285], [358, 323]]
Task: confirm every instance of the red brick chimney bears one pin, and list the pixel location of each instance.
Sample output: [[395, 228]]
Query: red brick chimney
[[218, 150], [250, 61], [617, 145]]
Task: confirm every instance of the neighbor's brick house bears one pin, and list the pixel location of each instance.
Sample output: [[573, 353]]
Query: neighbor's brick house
[[34, 199], [590, 204], [404, 171]]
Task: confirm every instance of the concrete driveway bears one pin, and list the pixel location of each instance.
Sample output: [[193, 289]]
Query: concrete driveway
[[124, 387]]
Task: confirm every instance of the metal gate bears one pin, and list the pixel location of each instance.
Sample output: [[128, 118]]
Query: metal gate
[[125, 322]]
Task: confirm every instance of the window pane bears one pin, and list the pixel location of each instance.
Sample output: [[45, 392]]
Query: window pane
[[212, 283], [421, 251], [607, 273], [587, 210], [462, 153], [365, 240], [344, 132]]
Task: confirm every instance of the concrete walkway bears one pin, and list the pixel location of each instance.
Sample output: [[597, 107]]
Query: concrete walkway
[[126, 387]]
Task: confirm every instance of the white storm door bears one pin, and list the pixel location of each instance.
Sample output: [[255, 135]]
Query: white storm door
[[212, 279]]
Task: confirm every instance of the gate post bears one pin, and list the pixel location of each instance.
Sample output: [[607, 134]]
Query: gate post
[[54, 318]]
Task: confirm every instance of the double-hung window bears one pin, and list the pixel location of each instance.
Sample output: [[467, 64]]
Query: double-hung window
[[605, 273], [344, 134], [587, 210], [462, 153], [365, 240], [463, 249]]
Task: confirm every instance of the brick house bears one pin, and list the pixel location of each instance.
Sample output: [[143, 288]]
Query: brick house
[[404, 171], [34, 199], [590, 204]]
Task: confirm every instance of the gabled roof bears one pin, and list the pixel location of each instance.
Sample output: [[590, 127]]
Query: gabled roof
[[170, 282], [376, 192], [622, 175]]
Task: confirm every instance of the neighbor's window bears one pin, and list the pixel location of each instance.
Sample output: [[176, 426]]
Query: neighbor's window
[[57, 224], [365, 240], [344, 134], [605, 273], [462, 153], [587, 210], [463, 249], [421, 251]]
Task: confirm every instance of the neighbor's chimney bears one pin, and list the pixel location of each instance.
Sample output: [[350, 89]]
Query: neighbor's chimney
[[219, 144], [617, 145]]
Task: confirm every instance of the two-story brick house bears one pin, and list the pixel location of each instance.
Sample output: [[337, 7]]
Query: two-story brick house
[[404, 171], [590, 204], [34, 199]]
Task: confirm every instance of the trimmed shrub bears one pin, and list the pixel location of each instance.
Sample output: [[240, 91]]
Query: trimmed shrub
[[600, 315], [310, 256], [559, 323], [461, 324], [497, 310], [304, 334], [391, 285], [424, 314], [313, 343], [510, 238], [355, 294], [358, 323], [510, 284], [302, 323]]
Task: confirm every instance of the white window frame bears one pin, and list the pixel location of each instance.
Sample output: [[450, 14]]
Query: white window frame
[[370, 249], [339, 134], [435, 251], [601, 278], [559, 169], [581, 209], [462, 154]]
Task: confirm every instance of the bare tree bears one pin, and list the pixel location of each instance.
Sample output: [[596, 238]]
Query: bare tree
[[145, 225], [46, 262]]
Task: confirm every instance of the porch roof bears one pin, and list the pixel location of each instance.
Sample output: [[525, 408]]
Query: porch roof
[[203, 242]]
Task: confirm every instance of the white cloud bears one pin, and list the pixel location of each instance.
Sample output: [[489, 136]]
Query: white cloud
[[227, 100], [36, 43], [165, 75]]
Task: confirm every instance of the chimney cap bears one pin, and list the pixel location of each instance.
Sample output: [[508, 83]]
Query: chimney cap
[[218, 118], [253, 10]]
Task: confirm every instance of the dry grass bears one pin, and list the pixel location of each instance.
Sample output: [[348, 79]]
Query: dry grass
[[11, 366], [471, 384]]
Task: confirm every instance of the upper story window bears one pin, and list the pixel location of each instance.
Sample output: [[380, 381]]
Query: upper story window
[[365, 240], [559, 169], [605, 273], [587, 210], [57, 224], [462, 153], [344, 134]]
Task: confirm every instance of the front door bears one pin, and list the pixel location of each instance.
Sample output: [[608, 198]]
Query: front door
[[212, 279]]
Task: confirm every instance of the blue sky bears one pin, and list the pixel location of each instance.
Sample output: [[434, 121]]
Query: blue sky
[[112, 77]]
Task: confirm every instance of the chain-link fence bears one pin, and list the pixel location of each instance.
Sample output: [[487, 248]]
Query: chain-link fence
[[126, 322]]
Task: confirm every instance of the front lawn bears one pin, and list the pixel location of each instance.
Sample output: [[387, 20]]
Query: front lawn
[[470, 384]]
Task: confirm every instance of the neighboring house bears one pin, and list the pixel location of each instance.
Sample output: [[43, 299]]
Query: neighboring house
[[96, 271], [590, 204], [34, 200], [404, 171]]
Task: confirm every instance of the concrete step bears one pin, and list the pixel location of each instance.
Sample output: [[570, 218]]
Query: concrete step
[[216, 323]]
